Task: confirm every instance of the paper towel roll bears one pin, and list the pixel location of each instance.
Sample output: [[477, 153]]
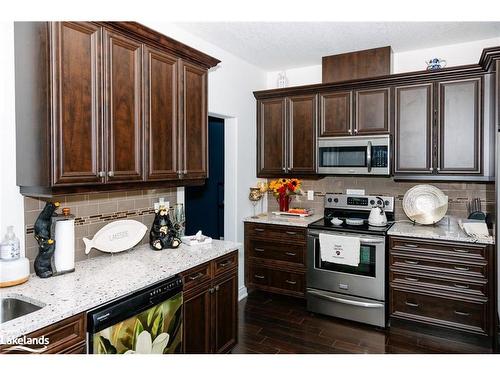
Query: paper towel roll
[[64, 256]]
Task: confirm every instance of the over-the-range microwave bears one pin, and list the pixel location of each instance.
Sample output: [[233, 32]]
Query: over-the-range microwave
[[358, 155]]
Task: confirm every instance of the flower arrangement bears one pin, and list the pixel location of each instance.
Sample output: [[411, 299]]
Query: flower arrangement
[[282, 188]]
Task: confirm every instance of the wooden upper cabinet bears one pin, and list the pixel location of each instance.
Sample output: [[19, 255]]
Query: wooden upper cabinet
[[460, 129], [335, 114], [123, 117], [76, 94], [372, 111], [194, 121], [160, 114], [413, 129], [302, 125], [271, 122]]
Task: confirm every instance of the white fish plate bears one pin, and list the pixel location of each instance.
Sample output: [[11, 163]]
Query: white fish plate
[[117, 236]]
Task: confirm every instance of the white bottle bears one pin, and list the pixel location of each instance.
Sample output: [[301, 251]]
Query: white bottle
[[10, 246]]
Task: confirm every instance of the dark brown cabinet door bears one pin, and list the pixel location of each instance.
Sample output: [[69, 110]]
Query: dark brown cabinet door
[[225, 302], [335, 114], [197, 323], [77, 107], [123, 103], [302, 124], [413, 138], [460, 129], [372, 111], [194, 121], [160, 114], [271, 122]]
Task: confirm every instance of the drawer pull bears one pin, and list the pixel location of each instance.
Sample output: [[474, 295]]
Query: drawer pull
[[259, 276], [460, 250], [461, 313], [291, 254], [410, 245], [412, 304], [291, 282], [291, 233], [411, 278], [461, 268], [259, 250], [226, 263], [461, 286], [259, 229], [196, 277], [411, 261]]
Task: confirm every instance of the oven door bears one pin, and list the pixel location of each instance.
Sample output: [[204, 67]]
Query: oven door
[[354, 155], [366, 280]]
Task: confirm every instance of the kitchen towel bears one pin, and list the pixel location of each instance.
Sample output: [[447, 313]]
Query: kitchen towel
[[339, 249]]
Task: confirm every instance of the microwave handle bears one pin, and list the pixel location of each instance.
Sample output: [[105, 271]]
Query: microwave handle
[[369, 156]]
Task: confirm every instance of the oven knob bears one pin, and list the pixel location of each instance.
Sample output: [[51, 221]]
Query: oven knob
[[379, 202], [386, 203], [329, 200], [336, 200], [372, 202]]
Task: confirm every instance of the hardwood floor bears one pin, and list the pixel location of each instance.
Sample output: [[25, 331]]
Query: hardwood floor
[[273, 324]]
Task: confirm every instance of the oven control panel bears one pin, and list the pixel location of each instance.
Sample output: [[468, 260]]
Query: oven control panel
[[358, 202]]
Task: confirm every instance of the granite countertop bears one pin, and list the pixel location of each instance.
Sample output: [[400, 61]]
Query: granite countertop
[[441, 231], [100, 280], [294, 221]]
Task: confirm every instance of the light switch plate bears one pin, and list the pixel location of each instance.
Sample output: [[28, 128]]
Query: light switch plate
[[310, 195], [355, 191]]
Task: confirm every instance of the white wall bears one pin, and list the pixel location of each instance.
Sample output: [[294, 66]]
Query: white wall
[[11, 202], [408, 61]]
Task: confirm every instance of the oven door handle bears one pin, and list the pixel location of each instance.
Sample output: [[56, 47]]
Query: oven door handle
[[344, 301], [369, 156], [363, 241]]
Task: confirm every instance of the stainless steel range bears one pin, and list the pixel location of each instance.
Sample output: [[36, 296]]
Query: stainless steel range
[[354, 292]]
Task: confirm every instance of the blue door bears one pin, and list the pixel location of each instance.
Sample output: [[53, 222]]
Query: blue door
[[205, 204]]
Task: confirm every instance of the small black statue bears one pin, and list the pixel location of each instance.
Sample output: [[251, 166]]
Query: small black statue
[[43, 261], [44, 221], [44, 236], [163, 234]]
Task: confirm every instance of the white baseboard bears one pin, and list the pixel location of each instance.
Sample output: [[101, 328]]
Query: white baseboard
[[242, 293]]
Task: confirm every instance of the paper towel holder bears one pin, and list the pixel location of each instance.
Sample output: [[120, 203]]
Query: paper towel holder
[[63, 229]]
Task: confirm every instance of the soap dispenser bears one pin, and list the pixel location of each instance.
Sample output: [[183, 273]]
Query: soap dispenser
[[14, 269], [10, 247]]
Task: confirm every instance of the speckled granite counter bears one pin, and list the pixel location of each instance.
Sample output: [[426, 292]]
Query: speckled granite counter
[[440, 231], [270, 218], [100, 280]]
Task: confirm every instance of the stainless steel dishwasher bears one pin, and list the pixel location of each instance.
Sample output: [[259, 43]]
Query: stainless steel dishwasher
[[148, 321]]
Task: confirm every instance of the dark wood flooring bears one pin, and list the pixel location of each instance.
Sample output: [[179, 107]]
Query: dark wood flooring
[[273, 324]]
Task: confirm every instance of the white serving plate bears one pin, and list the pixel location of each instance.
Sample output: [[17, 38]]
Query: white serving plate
[[425, 204], [117, 236]]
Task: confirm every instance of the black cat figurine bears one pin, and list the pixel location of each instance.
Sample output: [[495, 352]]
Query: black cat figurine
[[43, 261], [44, 221]]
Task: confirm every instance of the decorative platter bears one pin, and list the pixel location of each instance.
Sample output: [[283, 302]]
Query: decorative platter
[[425, 204]]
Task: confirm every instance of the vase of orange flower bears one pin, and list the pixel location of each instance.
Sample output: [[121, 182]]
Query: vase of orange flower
[[283, 189]]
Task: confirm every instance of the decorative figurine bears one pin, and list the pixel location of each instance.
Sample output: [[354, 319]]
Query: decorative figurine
[[44, 221], [163, 234], [435, 63], [43, 261]]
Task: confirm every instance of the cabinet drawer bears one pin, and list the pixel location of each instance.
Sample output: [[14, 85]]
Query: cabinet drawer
[[258, 275], [454, 313], [471, 286], [439, 265], [287, 281], [225, 264], [277, 251], [196, 276], [268, 232], [450, 249]]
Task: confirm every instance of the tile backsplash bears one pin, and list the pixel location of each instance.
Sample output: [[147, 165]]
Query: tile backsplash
[[93, 211], [458, 193]]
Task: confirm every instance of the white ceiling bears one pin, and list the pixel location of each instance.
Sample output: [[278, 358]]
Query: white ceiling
[[283, 45]]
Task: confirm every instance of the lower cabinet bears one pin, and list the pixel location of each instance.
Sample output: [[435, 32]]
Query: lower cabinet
[[211, 306]]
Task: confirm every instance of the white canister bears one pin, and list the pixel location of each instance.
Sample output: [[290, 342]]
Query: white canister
[[64, 255]]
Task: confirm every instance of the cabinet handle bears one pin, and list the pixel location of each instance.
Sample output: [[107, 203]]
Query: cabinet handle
[[259, 229], [411, 261], [111, 174], [431, 169], [438, 169], [211, 290], [291, 282], [462, 286], [291, 233], [461, 250], [291, 254], [217, 288], [226, 263], [355, 131], [259, 276], [184, 171], [284, 169], [410, 245], [411, 279], [461, 313], [461, 268], [102, 174], [412, 304], [259, 250], [198, 275], [350, 131]]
